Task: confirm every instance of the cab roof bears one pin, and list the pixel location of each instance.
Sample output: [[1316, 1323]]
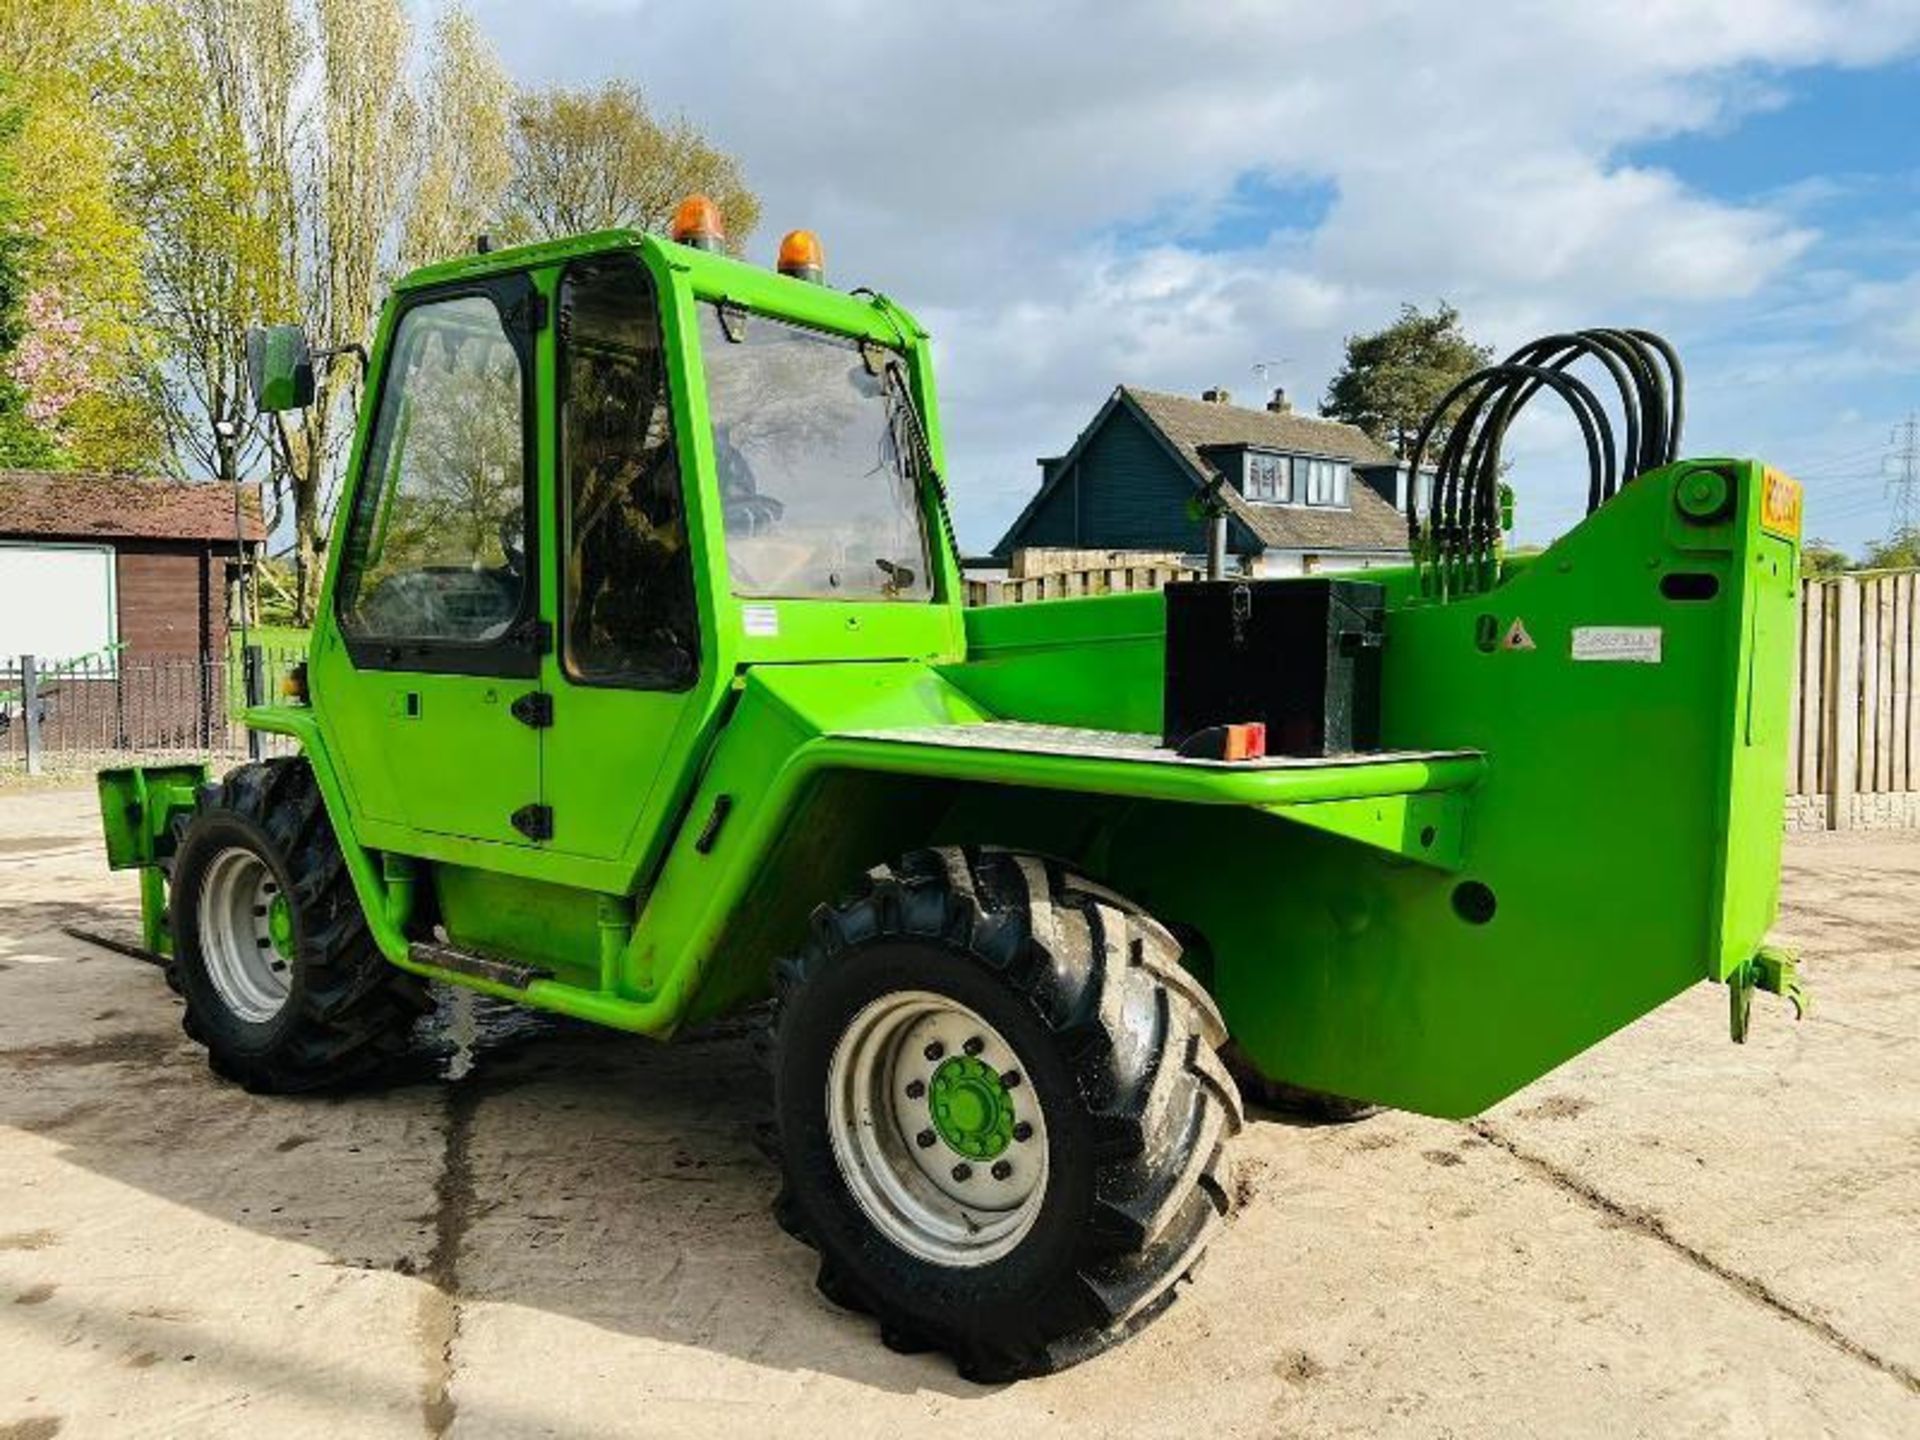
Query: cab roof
[[710, 275]]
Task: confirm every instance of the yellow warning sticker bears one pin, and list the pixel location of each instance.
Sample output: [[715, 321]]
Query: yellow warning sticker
[[1780, 505], [1517, 637]]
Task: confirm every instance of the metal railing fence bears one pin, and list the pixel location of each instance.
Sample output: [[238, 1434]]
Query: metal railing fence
[[112, 709]]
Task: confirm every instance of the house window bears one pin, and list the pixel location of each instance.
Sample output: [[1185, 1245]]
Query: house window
[[1269, 478], [1320, 482]]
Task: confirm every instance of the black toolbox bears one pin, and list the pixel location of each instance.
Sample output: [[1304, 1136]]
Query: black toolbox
[[1300, 656]]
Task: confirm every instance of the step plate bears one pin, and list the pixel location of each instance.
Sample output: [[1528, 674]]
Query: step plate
[[480, 967]]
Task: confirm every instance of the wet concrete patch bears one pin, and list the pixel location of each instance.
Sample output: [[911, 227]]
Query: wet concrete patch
[[130, 1047]]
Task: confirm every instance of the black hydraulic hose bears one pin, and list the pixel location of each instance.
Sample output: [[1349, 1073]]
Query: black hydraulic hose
[[1595, 428], [1462, 520], [1558, 352], [1483, 473], [1495, 380], [1676, 385], [1448, 475], [1650, 381]]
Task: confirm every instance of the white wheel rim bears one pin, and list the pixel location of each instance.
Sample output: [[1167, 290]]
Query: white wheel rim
[[237, 900], [936, 1201]]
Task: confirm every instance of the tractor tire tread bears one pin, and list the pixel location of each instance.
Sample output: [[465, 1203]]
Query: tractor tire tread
[[356, 1011], [1139, 1033]]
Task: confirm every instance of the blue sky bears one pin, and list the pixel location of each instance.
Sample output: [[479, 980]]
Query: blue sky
[[1840, 149], [1175, 194]]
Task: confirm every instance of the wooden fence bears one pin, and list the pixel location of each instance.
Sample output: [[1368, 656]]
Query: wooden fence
[[1854, 759], [1065, 584]]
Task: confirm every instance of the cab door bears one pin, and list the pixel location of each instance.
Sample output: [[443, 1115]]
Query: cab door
[[625, 674], [436, 599]]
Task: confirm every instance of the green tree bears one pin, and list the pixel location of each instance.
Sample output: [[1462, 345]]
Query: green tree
[[1820, 557], [81, 354], [1392, 378], [20, 443], [599, 159], [1899, 551]]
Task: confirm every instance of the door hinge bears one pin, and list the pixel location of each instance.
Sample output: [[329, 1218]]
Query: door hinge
[[534, 821], [533, 709]]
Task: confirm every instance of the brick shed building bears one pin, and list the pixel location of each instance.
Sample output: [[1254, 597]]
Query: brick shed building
[[88, 561]]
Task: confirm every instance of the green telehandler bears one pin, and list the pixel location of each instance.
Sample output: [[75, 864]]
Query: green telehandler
[[642, 690]]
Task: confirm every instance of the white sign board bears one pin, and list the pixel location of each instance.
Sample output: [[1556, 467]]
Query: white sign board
[[1632, 644], [56, 603]]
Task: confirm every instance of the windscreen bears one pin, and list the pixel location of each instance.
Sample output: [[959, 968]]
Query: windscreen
[[819, 498]]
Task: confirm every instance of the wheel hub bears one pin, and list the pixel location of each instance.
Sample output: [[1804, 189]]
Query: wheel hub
[[972, 1111], [928, 1133], [246, 935]]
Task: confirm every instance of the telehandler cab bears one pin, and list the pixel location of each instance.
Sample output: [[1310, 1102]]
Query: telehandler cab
[[642, 689]]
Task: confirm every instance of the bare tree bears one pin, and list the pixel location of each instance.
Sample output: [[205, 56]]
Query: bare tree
[[356, 148], [466, 159], [206, 145]]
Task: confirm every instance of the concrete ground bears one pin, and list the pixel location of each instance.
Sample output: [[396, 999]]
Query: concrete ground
[[1671, 1236]]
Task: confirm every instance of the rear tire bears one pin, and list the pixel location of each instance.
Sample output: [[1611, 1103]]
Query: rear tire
[[1044, 1214], [283, 983]]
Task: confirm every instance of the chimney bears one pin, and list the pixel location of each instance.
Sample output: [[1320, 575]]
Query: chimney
[[1279, 404], [1217, 396]]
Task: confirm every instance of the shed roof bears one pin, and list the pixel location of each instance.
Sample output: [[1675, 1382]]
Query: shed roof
[[86, 504]]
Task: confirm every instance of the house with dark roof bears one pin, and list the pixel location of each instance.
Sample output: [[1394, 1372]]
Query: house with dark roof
[[1302, 494], [138, 568]]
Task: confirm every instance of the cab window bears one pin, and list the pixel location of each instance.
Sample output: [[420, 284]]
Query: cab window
[[437, 546], [630, 613], [820, 499]]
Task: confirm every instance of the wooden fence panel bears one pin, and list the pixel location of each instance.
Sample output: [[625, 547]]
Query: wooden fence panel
[[1069, 584], [1856, 722]]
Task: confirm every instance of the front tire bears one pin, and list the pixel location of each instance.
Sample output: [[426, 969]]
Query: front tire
[[282, 981], [1002, 1122]]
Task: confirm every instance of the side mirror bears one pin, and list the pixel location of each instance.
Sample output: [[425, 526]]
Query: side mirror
[[279, 368]]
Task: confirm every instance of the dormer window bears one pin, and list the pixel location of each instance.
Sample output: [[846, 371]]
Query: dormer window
[[1269, 478], [1320, 482]]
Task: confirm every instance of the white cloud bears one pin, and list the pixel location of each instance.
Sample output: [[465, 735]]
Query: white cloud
[[975, 161]]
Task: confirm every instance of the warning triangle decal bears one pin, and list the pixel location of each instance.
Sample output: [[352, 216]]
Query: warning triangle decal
[[1517, 637]]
